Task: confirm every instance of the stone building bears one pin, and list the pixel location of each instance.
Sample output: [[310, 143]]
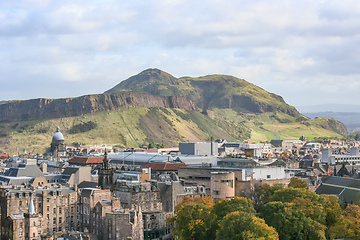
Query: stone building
[[222, 185], [172, 192], [113, 222], [144, 196], [52, 208], [88, 198]]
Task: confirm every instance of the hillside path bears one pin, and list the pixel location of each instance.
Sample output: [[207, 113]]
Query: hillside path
[[275, 135]]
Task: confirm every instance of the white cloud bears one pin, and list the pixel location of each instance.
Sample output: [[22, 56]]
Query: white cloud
[[302, 50]]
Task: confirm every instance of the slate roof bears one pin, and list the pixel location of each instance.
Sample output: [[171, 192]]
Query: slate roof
[[70, 170], [105, 202], [86, 192], [86, 184], [164, 166], [343, 181], [347, 189], [15, 180], [24, 170]]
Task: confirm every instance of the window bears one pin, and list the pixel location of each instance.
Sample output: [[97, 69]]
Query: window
[[66, 201], [54, 201], [60, 201], [60, 220], [47, 208], [47, 216], [72, 200], [54, 221], [48, 200], [268, 176], [39, 223], [20, 234], [60, 210], [54, 211], [20, 203], [21, 225]]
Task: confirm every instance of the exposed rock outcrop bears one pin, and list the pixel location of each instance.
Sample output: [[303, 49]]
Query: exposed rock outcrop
[[43, 108]]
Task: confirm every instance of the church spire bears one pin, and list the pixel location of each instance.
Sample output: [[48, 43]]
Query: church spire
[[106, 160], [31, 207]]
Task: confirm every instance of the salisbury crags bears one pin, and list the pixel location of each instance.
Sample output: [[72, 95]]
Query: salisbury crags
[[155, 88], [68, 107]]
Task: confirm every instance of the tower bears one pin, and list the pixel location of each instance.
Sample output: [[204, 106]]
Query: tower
[[32, 222], [57, 143], [105, 174]]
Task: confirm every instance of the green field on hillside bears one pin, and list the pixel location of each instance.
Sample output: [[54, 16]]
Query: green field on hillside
[[135, 127]]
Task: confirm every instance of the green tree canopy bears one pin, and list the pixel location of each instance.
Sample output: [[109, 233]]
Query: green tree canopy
[[290, 222], [244, 226], [261, 194], [224, 207], [194, 219], [298, 183], [348, 225]]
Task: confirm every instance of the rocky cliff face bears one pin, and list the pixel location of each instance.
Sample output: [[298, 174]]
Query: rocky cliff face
[[46, 108], [332, 125]]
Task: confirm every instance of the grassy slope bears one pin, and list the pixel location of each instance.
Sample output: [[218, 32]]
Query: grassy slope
[[132, 127], [135, 127]]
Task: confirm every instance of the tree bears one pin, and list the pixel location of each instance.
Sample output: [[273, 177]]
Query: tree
[[261, 194], [290, 222], [224, 207], [298, 183], [289, 194], [323, 210], [333, 209], [194, 219], [348, 225], [242, 225]]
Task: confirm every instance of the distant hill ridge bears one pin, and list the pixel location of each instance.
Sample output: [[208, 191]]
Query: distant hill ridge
[[154, 106], [155, 88], [207, 92]]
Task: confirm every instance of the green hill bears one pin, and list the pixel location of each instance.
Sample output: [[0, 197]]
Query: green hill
[[154, 106], [207, 92]]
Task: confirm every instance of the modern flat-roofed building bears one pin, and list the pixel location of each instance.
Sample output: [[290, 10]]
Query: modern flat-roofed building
[[199, 148], [352, 158]]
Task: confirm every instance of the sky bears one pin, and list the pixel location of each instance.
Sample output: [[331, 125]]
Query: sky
[[306, 51]]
